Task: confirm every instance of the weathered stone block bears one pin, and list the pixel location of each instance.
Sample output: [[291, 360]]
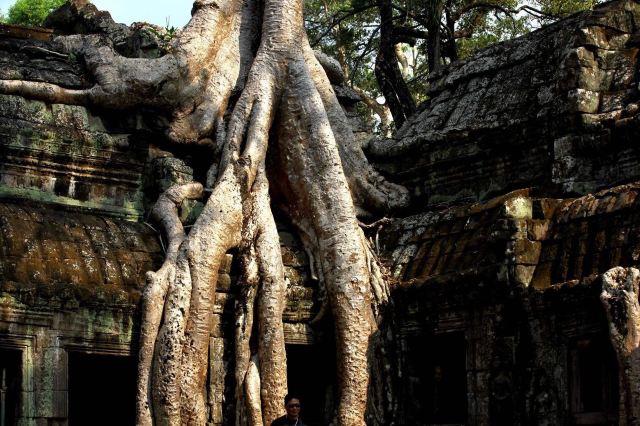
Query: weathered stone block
[[225, 265], [542, 277], [624, 200], [523, 274], [614, 101], [224, 282], [216, 379], [518, 208], [582, 100], [216, 325], [538, 229], [526, 252], [221, 302]]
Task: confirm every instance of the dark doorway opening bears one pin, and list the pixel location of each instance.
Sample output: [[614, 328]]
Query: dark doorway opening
[[594, 382], [10, 385], [435, 390], [310, 375], [102, 389]]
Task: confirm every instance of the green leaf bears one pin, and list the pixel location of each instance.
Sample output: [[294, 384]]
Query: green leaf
[[31, 12]]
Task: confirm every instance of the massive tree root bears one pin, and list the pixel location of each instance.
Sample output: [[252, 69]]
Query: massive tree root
[[205, 65], [323, 180], [620, 293]]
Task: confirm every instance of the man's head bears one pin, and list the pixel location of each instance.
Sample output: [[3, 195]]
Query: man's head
[[292, 404]]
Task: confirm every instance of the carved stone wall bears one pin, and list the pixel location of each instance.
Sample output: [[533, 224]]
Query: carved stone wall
[[519, 279]]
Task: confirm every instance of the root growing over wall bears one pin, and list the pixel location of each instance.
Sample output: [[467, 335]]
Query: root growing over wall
[[288, 111]]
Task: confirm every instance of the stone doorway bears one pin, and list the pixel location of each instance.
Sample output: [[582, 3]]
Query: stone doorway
[[435, 390], [10, 385], [310, 373], [593, 385], [445, 380], [102, 389]]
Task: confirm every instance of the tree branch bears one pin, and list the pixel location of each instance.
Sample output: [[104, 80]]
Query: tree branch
[[408, 35], [337, 20], [507, 11]]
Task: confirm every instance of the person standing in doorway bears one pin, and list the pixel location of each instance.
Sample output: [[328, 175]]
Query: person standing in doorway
[[292, 418]]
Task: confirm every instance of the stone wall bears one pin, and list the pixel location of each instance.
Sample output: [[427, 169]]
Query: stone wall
[[90, 259], [61, 153], [556, 109], [523, 169], [517, 279], [531, 240], [65, 154]]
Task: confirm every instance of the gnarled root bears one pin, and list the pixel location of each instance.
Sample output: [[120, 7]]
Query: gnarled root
[[620, 293], [263, 273], [370, 191], [182, 342], [181, 347], [322, 176], [271, 303], [165, 212], [46, 92], [311, 168], [189, 82]]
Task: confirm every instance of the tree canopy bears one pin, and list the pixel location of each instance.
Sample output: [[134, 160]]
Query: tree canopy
[[31, 12], [406, 40]]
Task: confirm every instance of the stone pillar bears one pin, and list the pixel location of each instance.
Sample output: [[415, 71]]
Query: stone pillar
[[51, 383]]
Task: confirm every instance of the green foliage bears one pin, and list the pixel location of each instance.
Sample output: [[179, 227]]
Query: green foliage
[[348, 30], [495, 29], [164, 36], [31, 12], [351, 37], [563, 8]]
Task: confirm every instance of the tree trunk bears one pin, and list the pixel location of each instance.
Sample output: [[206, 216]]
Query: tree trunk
[[287, 107], [620, 293], [434, 48], [452, 47], [395, 90]]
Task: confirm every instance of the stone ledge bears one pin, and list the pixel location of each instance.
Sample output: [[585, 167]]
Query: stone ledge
[[519, 239]]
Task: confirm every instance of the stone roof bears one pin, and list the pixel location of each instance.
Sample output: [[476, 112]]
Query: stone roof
[[556, 109], [519, 239], [28, 54], [585, 237], [48, 252]]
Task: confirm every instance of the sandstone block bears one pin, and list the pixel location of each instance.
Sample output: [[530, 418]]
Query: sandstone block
[[518, 208], [523, 274], [582, 100], [538, 229]]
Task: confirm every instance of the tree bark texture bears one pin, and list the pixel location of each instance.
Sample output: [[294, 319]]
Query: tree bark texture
[[620, 293], [286, 110], [387, 71], [434, 48]]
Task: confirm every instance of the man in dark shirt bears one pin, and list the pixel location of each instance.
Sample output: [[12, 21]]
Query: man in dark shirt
[[292, 405]]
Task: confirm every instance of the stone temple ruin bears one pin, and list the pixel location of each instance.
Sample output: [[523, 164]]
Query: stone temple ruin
[[524, 176]]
